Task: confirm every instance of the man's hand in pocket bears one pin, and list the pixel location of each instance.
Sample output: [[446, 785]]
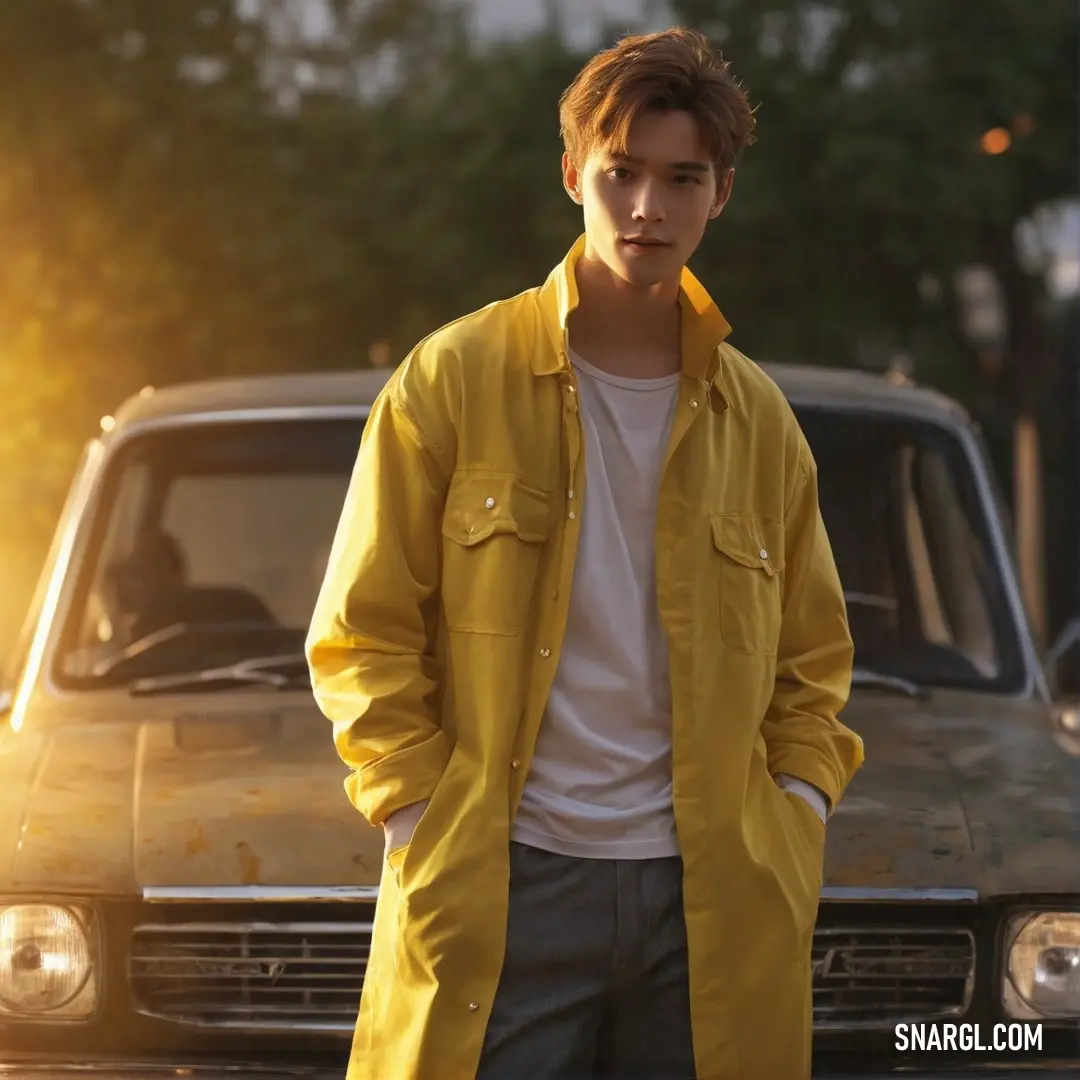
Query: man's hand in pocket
[[399, 827]]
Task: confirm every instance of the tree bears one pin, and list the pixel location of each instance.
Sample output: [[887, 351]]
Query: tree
[[142, 196], [174, 208], [899, 144], [869, 171]]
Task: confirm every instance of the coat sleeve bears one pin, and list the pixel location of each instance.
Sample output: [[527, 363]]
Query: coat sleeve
[[370, 643], [803, 736]]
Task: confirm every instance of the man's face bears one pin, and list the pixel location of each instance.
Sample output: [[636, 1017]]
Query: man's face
[[645, 212]]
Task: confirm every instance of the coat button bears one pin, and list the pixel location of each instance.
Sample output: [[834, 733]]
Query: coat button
[[570, 493], [489, 503], [693, 403], [473, 1006], [763, 553], [515, 764], [545, 652], [571, 515]]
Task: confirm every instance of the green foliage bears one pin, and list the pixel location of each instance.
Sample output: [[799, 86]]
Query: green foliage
[[869, 175], [125, 201]]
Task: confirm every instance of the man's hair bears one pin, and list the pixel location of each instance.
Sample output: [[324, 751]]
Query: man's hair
[[671, 70]]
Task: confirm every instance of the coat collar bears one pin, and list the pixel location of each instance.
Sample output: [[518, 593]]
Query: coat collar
[[703, 326]]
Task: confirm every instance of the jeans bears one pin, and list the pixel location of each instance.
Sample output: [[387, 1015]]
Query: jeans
[[595, 979]]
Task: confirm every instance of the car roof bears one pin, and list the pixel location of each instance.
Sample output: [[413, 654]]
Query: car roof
[[352, 390]]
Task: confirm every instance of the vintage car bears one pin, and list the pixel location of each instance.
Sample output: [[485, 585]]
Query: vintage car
[[186, 891]]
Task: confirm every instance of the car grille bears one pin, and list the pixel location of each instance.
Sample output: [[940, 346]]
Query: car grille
[[251, 976], [308, 976], [871, 977]]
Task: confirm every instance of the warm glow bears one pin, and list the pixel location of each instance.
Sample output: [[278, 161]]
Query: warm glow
[[379, 354], [996, 141], [52, 961], [36, 656], [1023, 124]]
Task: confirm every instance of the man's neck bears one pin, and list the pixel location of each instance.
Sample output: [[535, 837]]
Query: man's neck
[[623, 329]]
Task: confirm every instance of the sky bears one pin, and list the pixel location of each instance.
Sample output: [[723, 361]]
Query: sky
[[583, 19]]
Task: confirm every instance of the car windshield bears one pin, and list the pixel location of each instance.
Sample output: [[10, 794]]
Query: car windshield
[[214, 539], [910, 534], [210, 548]]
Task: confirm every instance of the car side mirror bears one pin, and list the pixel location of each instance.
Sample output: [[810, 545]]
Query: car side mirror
[[1063, 663]]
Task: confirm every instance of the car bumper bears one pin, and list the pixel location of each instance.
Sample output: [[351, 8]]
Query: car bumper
[[1049, 1070], [37, 1069]]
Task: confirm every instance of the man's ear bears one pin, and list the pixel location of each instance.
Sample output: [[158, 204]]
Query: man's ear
[[571, 178], [723, 193]]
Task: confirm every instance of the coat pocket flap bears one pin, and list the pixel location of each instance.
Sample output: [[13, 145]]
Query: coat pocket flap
[[754, 542], [480, 505]]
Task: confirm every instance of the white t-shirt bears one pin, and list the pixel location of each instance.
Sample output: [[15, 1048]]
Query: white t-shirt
[[600, 781]]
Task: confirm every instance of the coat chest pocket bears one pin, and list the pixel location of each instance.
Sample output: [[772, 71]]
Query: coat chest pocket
[[750, 550], [494, 529]]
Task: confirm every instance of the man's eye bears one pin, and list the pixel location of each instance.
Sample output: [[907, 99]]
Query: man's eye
[[619, 173], [687, 178]]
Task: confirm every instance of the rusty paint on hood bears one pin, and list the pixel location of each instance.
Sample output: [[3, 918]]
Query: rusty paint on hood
[[962, 790], [214, 794]]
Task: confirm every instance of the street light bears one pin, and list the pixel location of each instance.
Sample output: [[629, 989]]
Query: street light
[[996, 141]]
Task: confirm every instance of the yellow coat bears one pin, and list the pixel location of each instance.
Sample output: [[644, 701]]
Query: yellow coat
[[469, 478]]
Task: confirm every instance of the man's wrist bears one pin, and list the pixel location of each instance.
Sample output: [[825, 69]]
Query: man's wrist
[[399, 827], [813, 795]]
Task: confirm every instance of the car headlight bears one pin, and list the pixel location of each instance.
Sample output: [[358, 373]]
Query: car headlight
[[1042, 974], [48, 966]]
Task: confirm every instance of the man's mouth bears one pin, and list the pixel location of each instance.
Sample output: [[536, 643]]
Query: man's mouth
[[645, 243]]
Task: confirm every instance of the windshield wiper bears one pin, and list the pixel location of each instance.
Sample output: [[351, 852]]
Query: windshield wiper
[[275, 672], [153, 642], [879, 681]]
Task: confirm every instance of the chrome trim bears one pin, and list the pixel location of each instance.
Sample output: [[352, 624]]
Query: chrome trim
[[250, 1027], [232, 416], [908, 933], [71, 527], [239, 932], [903, 408], [346, 1025], [253, 927], [875, 680], [253, 1027], [75, 1067], [301, 894], [1036, 674], [856, 893], [259, 894]]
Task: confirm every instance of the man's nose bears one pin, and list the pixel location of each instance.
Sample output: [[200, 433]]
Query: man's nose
[[648, 204]]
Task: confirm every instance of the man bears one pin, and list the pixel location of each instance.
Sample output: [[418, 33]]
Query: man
[[580, 622]]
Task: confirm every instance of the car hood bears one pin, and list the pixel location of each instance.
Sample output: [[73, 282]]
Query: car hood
[[233, 791], [959, 791]]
